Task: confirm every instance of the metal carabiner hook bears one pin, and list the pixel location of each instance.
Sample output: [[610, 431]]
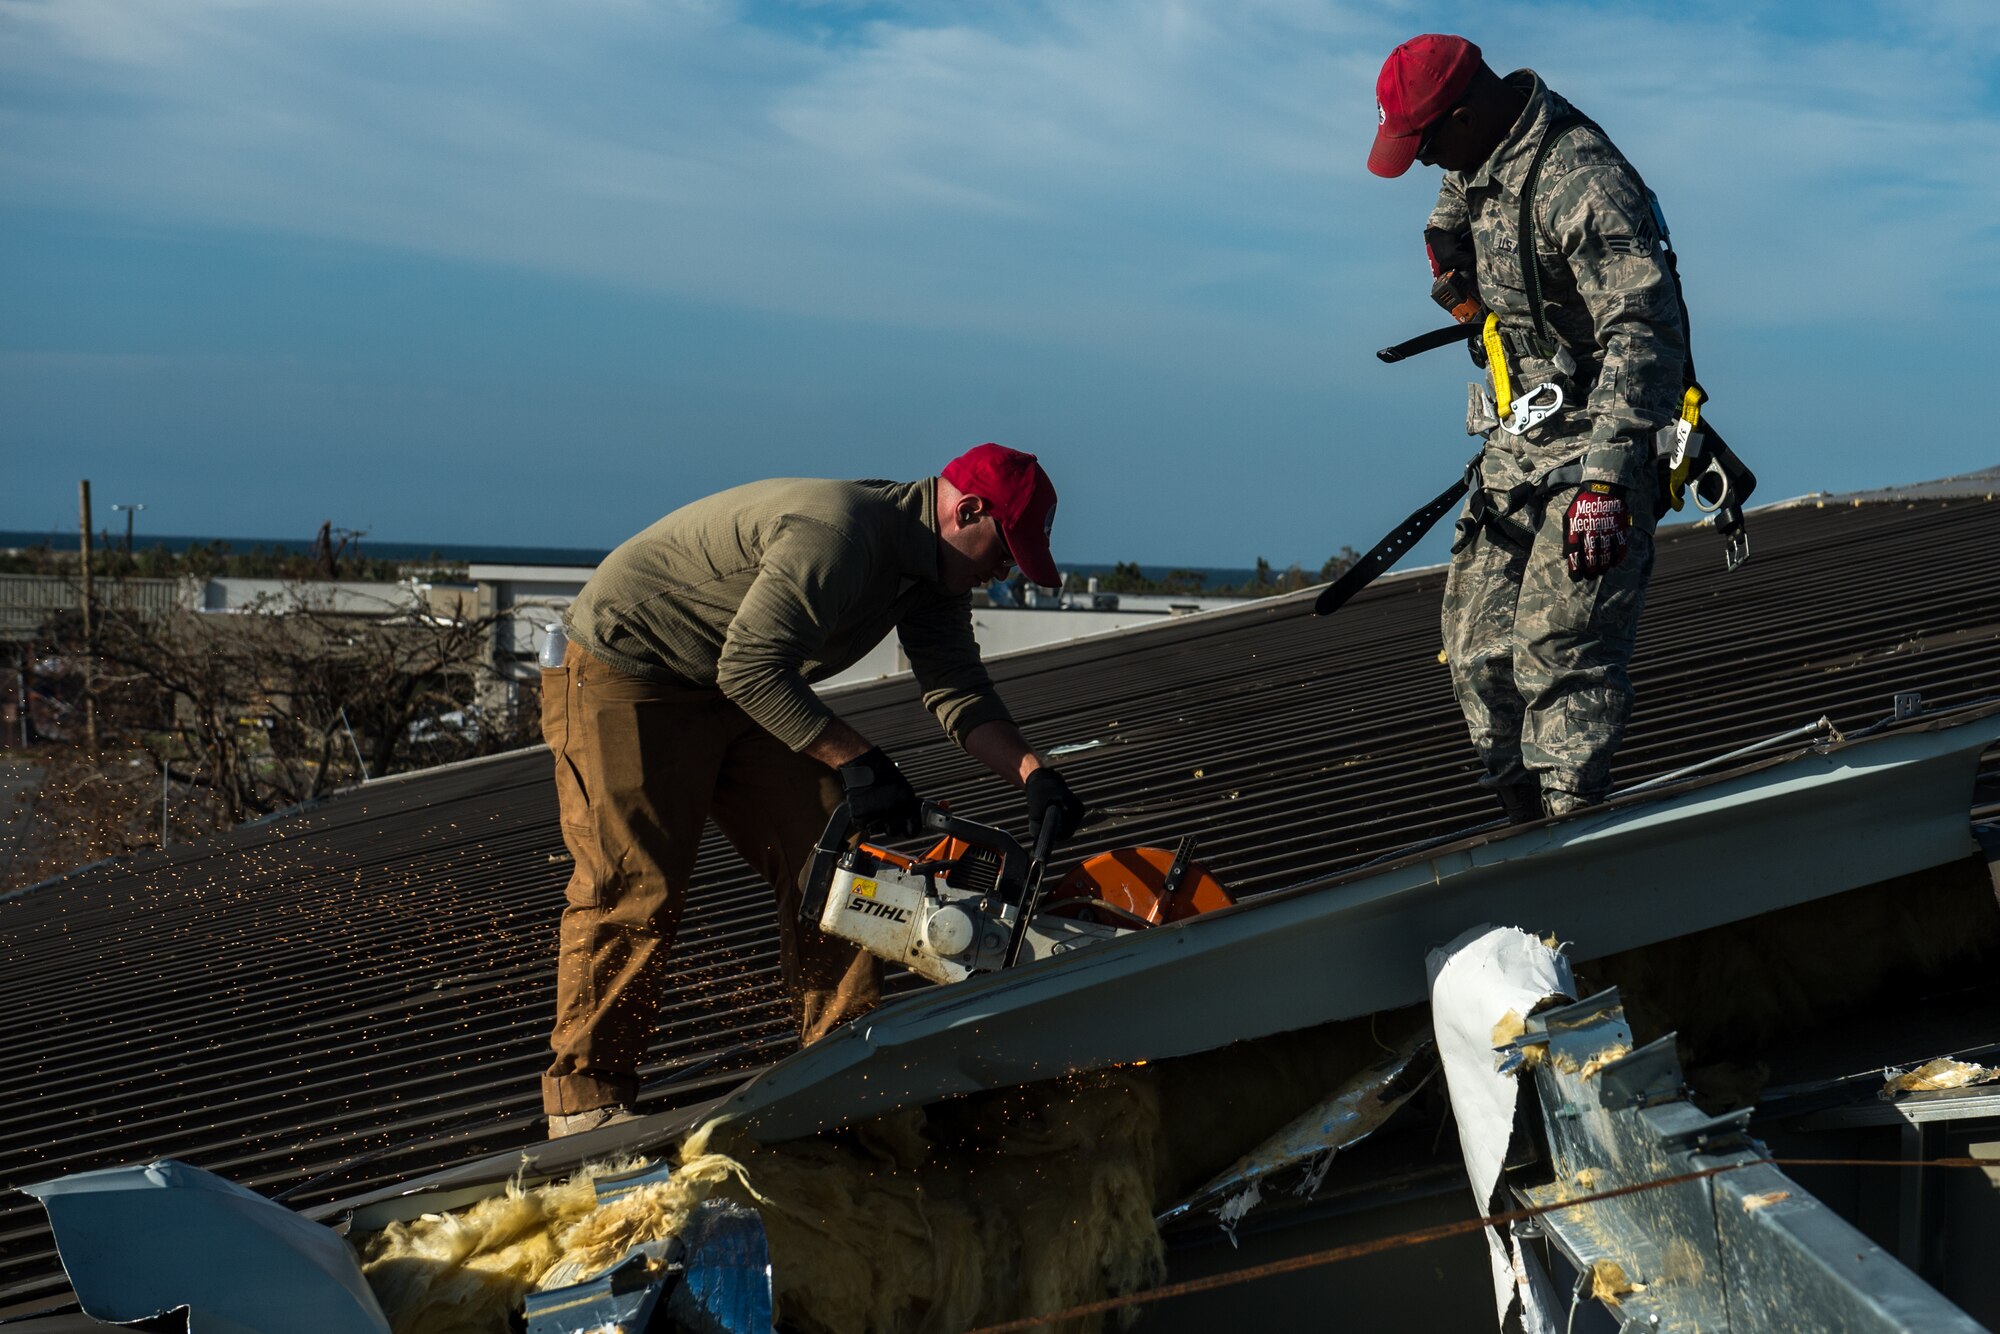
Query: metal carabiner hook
[[1534, 407]]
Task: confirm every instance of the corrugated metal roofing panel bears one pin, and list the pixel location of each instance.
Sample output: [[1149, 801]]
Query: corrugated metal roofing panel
[[373, 976]]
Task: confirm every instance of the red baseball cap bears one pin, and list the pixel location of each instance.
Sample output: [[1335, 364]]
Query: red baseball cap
[[1419, 82], [1023, 500]]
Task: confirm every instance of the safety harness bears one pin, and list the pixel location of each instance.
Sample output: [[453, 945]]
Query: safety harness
[[1686, 448]]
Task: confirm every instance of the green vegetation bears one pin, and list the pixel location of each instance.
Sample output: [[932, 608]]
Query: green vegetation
[[209, 560], [1127, 577]]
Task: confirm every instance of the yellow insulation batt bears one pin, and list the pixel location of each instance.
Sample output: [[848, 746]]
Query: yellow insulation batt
[[467, 1273], [1012, 1203], [1943, 1073]]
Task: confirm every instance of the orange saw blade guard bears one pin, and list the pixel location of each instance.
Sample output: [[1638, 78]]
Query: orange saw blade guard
[[1132, 882]]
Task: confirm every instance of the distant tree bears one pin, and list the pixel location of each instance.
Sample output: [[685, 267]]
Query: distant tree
[[1338, 564], [259, 711], [1125, 577]]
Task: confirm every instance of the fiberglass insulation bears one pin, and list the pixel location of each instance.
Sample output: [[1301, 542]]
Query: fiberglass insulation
[[1006, 1204], [1016, 1203]]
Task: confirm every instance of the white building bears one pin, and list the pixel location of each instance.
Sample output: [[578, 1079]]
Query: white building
[[536, 595]]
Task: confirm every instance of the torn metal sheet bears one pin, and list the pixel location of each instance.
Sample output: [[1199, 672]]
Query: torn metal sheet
[[1746, 1249], [1788, 831], [1307, 1145], [726, 1281], [1483, 985], [139, 1242], [621, 1300]]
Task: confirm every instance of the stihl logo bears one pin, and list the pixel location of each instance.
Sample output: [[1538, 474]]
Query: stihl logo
[[870, 908]]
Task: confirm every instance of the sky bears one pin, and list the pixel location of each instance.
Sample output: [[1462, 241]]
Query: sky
[[507, 272]]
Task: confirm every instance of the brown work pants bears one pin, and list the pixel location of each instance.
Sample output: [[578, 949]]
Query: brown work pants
[[639, 767]]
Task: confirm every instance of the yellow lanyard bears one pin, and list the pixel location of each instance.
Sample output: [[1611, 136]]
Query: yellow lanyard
[[1496, 362], [1682, 462]]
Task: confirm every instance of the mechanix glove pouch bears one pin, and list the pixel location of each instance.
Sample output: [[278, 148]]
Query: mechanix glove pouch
[[1594, 530]]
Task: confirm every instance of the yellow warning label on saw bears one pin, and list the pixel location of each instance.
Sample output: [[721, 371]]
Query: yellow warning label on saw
[[865, 888]]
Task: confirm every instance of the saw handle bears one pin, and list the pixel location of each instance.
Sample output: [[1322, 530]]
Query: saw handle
[[1031, 893], [825, 856], [1015, 866]]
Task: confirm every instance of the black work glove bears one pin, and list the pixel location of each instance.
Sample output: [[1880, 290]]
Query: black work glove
[[879, 798], [1594, 530], [1050, 798], [1448, 250]]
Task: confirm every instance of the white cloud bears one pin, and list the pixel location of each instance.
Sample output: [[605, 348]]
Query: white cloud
[[1179, 173]]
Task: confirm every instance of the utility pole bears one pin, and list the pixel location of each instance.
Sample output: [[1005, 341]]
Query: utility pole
[[130, 510], [89, 628]]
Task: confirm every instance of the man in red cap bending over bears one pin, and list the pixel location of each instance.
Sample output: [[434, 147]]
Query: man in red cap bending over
[[685, 695]]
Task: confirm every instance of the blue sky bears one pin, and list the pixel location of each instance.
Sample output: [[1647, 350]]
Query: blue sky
[[500, 271]]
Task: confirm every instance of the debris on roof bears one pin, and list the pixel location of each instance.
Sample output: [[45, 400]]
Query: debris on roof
[[1305, 1147], [472, 1269], [1942, 1073]]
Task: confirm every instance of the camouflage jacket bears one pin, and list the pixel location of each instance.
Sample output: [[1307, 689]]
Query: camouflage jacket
[[1607, 294]]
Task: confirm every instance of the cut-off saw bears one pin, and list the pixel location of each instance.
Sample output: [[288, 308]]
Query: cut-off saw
[[974, 903]]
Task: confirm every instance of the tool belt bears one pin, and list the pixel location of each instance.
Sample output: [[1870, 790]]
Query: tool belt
[[1689, 457], [1488, 508]]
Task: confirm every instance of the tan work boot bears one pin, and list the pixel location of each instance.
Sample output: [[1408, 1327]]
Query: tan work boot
[[575, 1123], [1557, 802]]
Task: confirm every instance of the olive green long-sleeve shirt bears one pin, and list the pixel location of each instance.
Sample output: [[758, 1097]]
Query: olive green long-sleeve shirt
[[761, 590]]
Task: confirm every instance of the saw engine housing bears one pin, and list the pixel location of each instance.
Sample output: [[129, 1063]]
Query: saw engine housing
[[960, 909]]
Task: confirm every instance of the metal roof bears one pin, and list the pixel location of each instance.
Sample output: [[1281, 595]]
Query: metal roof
[[371, 978], [1983, 484]]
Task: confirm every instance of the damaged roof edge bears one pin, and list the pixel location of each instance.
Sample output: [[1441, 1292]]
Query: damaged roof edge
[[1852, 814]]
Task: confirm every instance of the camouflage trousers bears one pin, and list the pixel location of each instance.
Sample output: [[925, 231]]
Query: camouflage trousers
[[1538, 660]]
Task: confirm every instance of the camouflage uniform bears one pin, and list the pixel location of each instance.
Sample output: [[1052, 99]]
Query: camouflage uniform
[[1537, 660]]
